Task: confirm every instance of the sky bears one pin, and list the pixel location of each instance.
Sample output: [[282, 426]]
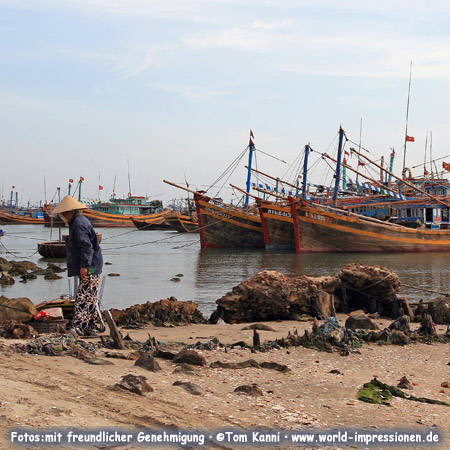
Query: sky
[[170, 89]]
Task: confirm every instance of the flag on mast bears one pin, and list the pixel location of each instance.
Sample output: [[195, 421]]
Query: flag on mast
[[409, 138]]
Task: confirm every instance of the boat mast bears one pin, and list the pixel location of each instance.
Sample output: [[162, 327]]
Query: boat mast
[[407, 114], [305, 170], [251, 148], [338, 167], [391, 166], [129, 180]]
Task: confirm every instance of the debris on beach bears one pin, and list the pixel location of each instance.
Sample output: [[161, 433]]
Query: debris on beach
[[160, 313], [133, 383], [377, 392], [13, 329]]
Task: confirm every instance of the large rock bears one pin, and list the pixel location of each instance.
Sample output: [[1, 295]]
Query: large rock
[[20, 309], [370, 288], [168, 310], [360, 322], [439, 310], [270, 295], [190, 357]]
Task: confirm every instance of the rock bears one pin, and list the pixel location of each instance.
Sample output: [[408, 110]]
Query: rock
[[401, 324], [179, 275], [190, 387], [134, 383], [189, 357], [220, 321], [236, 365], [370, 288], [113, 274], [6, 280], [26, 265], [270, 295], [164, 354], [439, 310], [335, 371], [108, 263], [148, 362], [185, 368], [250, 389], [398, 338], [175, 279], [12, 329], [51, 276], [20, 309], [360, 322], [258, 326], [445, 384], [404, 383], [54, 268], [168, 310], [275, 366]]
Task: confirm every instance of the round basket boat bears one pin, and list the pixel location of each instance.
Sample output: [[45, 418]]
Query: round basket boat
[[57, 249]]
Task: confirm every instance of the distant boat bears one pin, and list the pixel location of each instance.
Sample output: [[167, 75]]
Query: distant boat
[[158, 222], [182, 223], [26, 218], [57, 249]]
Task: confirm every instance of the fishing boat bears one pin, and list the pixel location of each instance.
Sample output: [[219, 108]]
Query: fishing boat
[[25, 218], [182, 223], [156, 223], [57, 249], [325, 228], [227, 226]]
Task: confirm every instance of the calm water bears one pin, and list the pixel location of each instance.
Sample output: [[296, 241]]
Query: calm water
[[147, 260]]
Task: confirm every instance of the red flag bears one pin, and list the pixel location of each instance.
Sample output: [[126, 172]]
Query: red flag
[[251, 136], [13, 187], [70, 180], [346, 153], [409, 138], [361, 163], [446, 166], [100, 188], [425, 172], [81, 179]]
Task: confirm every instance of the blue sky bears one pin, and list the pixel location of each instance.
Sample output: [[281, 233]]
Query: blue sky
[[174, 86]]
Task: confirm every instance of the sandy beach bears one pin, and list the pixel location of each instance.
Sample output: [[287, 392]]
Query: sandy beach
[[319, 393]]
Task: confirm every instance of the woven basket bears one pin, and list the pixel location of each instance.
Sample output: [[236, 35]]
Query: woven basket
[[47, 326]]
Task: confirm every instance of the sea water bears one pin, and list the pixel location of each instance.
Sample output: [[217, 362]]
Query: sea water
[[153, 265]]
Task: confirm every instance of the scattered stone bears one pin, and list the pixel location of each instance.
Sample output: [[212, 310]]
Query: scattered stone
[[148, 362], [190, 387], [185, 368], [275, 366], [175, 279], [237, 365], [52, 276], [250, 389], [258, 326], [108, 263], [445, 384], [190, 357], [439, 310], [335, 371], [55, 268], [179, 275], [404, 383], [360, 322], [13, 329], [6, 280], [164, 353], [113, 274], [134, 383]]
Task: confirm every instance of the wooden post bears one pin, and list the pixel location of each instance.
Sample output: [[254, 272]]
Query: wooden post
[[114, 331]]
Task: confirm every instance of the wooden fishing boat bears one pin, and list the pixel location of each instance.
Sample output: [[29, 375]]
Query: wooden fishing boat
[[182, 223], [19, 219], [155, 223], [99, 219], [277, 224], [225, 226], [326, 229]]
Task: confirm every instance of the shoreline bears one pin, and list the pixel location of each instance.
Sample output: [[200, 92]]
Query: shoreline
[[44, 391]]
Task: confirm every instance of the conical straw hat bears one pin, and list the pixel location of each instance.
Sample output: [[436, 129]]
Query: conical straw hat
[[68, 203]]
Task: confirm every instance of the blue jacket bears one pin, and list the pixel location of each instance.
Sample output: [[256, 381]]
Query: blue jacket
[[82, 246]]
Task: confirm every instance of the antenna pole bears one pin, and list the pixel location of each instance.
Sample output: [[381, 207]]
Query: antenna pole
[[407, 114]]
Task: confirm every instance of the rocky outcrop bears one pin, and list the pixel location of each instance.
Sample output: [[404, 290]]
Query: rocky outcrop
[[166, 311], [270, 295]]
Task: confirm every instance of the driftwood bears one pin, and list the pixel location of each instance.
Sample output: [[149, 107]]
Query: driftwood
[[114, 332]]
